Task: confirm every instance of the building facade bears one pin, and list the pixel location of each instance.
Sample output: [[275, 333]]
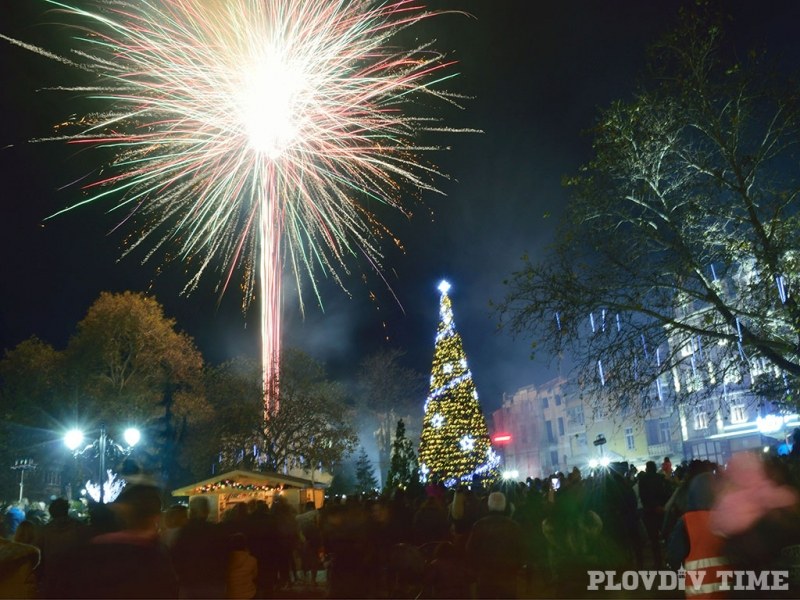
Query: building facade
[[552, 427], [543, 429]]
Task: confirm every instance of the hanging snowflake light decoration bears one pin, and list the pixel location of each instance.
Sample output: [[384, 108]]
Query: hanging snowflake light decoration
[[111, 488]]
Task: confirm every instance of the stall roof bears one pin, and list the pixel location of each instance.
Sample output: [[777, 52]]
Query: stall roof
[[245, 478]]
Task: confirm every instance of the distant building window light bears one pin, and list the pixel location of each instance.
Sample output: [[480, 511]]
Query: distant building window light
[[738, 413], [756, 368], [630, 441], [693, 382], [732, 375], [700, 420], [575, 415], [664, 431]]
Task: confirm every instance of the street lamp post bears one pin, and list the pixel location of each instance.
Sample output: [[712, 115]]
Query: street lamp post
[[102, 451], [26, 464], [74, 439], [600, 441]]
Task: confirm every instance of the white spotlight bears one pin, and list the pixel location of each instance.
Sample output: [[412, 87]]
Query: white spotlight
[[132, 436], [73, 438]]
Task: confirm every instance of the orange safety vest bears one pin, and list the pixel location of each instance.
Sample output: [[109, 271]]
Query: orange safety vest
[[705, 557]]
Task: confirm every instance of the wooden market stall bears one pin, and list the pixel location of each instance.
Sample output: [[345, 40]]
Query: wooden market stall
[[227, 489]]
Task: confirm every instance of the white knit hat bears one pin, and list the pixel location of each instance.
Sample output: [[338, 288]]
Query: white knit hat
[[497, 502]]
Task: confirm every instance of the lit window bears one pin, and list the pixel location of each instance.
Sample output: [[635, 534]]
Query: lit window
[[738, 413], [693, 383], [575, 415], [664, 431], [700, 420], [732, 375]]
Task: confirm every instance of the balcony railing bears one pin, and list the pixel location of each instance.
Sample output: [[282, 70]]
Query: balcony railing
[[666, 449]]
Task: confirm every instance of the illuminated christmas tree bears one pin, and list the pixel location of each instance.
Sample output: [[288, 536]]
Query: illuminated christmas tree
[[454, 445]]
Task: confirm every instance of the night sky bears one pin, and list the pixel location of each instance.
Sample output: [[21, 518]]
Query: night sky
[[537, 72]]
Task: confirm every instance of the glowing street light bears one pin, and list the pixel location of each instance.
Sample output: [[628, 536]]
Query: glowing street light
[[73, 439], [132, 436]]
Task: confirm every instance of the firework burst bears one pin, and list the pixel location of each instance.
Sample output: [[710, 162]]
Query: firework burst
[[246, 133]]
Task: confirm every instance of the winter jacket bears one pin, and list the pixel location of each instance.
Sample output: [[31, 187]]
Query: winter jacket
[[241, 575], [17, 562], [705, 558]]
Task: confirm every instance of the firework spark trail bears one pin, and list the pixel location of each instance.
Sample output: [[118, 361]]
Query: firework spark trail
[[245, 132]]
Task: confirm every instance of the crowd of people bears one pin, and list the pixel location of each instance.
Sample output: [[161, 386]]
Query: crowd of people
[[538, 538]]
